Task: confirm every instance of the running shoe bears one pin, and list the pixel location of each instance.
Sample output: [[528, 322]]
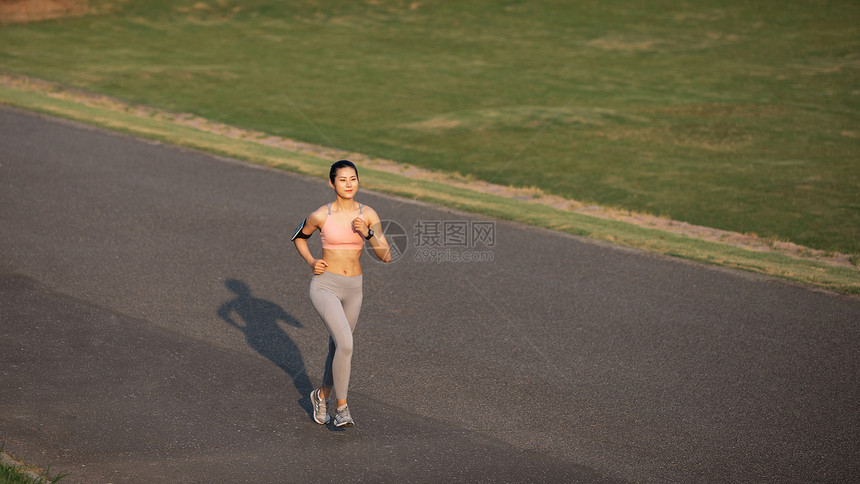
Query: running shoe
[[320, 408], [342, 417]]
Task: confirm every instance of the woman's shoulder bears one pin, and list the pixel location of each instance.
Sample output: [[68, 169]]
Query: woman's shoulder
[[369, 215], [318, 216], [368, 210]]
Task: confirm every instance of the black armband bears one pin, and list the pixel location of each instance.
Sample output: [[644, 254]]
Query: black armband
[[299, 234]]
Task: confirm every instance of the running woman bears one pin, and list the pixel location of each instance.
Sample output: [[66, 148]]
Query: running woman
[[335, 288]]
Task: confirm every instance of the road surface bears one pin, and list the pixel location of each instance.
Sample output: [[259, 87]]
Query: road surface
[[155, 326]]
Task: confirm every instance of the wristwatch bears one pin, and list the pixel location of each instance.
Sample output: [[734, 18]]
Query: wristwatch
[[369, 233]]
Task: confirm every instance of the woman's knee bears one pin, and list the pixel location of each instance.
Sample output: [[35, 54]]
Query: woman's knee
[[344, 345]]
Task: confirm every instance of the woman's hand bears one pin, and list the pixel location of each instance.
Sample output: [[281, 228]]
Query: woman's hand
[[360, 226], [319, 266]]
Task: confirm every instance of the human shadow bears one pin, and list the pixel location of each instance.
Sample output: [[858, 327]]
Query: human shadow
[[258, 320]]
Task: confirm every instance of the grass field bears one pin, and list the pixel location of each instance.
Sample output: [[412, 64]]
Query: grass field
[[733, 114]]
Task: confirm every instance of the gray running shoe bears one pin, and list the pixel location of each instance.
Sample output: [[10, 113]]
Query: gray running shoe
[[320, 408], [342, 417]]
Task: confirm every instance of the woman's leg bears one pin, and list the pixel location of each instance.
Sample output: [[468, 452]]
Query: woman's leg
[[328, 379], [332, 312], [351, 303]]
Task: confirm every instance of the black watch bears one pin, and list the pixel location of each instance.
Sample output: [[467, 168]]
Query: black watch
[[369, 233]]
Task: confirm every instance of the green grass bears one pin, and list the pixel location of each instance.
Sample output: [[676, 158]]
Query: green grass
[[14, 472], [14, 475], [731, 114]]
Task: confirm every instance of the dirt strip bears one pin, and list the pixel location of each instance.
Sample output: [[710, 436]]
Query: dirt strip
[[22, 11], [531, 195]]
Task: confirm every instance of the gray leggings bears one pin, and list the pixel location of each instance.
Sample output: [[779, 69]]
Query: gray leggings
[[337, 299]]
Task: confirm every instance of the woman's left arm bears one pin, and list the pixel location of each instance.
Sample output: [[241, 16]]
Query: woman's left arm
[[377, 242]]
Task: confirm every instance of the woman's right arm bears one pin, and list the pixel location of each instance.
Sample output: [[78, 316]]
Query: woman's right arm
[[312, 223]]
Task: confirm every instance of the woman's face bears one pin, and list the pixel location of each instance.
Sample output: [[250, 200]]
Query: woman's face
[[345, 182]]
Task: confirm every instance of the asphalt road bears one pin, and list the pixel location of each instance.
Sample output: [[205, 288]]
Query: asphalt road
[[155, 326]]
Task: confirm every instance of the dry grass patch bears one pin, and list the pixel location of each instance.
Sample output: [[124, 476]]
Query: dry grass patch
[[613, 44], [718, 138], [21, 11], [518, 116], [723, 110]]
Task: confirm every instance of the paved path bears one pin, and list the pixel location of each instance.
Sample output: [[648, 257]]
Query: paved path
[[155, 326]]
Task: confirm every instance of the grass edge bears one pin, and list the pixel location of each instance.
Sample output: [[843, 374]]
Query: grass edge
[[807, 272], [13, 470]]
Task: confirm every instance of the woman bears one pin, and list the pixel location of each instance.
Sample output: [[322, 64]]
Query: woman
[[335, 288]]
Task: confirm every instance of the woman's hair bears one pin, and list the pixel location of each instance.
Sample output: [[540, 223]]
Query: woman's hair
[[337, 165]]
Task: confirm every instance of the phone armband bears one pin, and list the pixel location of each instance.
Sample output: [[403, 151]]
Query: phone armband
[[298, 234]]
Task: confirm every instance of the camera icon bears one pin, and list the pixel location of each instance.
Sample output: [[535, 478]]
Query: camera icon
[[398, 240]]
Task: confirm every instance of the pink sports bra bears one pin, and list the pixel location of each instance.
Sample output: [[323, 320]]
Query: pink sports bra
[[335, 236]]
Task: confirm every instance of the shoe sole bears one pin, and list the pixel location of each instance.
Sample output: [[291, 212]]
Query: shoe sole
[[345, 424]]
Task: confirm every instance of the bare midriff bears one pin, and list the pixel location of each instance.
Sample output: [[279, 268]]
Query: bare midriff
[[342, 261]]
